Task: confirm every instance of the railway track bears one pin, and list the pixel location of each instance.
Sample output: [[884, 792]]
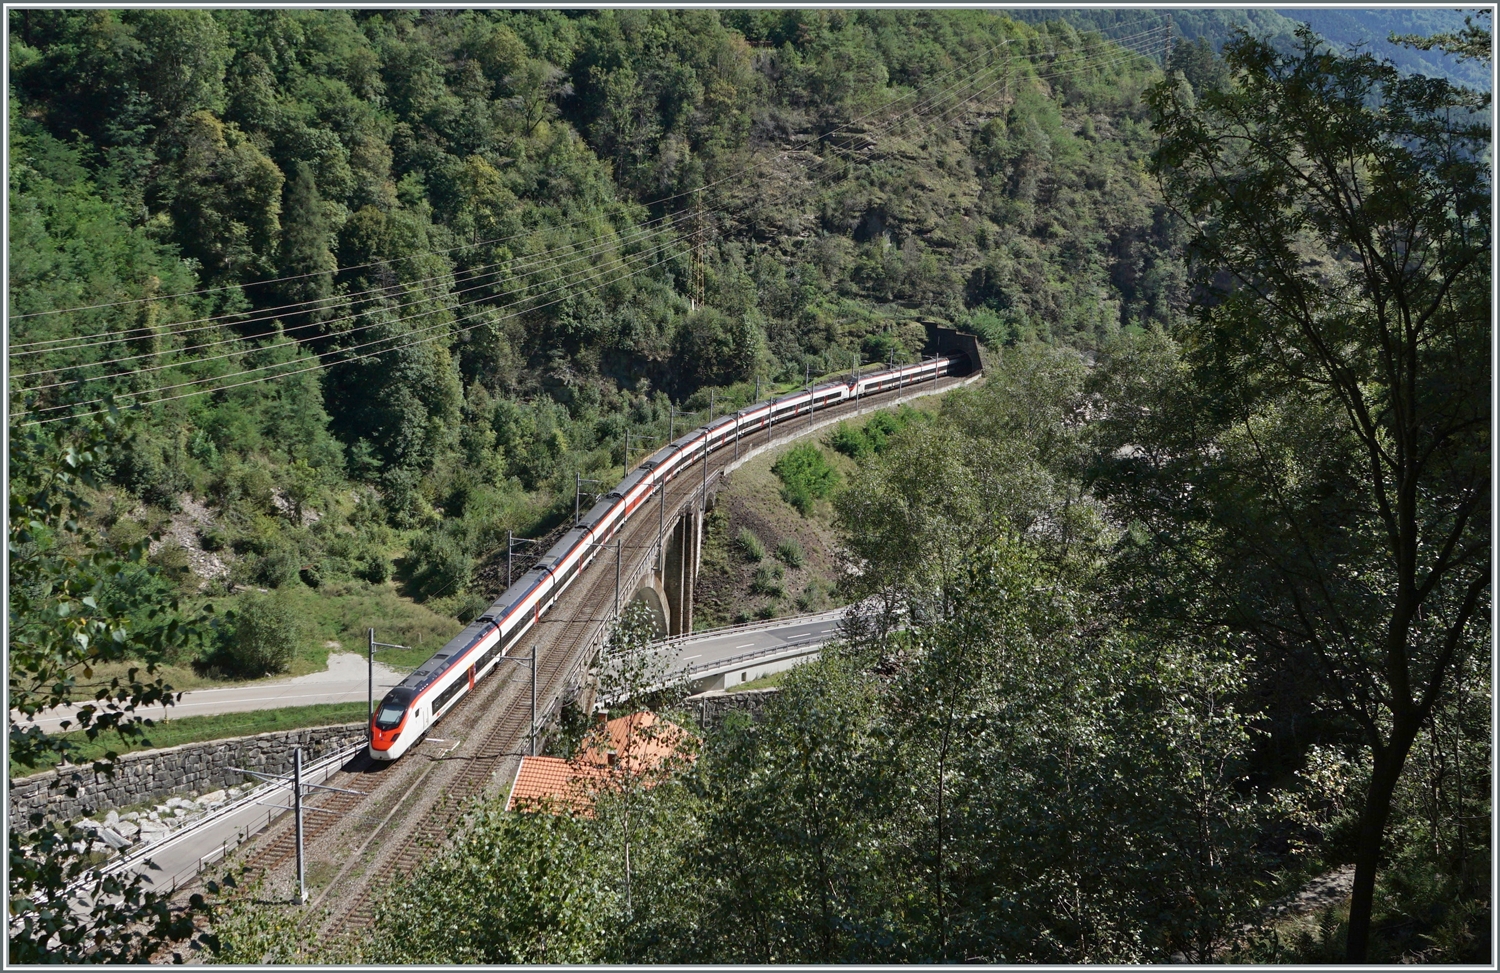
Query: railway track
[[566, 647], [282, 846], [410, 808]]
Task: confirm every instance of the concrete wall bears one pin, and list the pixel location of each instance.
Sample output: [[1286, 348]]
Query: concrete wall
[[152, 775], [752, 670], [946, 341]]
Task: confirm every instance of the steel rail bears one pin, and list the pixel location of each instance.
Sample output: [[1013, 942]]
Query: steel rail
[[145, 852]]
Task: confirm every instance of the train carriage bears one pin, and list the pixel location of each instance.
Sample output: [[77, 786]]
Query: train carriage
[[408, 710]]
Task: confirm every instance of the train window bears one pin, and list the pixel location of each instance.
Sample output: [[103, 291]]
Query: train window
[[459, 685], [389, 717]]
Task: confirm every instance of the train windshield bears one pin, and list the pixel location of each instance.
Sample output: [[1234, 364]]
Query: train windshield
[[389, 716]]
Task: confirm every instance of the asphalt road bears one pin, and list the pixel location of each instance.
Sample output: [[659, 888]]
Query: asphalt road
[[344, 681], [709, 648]]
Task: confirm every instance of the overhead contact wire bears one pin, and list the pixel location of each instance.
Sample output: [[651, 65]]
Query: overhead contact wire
[[466, 246], [1101, 58]]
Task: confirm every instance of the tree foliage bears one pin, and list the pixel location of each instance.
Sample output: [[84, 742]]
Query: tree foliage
[[68, 626], [1319, 476]]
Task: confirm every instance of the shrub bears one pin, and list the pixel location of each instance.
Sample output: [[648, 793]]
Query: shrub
[[789, 552], [813, 597], [249, 484], [374, 568], [171, 558], [806, 477], [154, 470], [280, 564], [438, 565], [849, 441], [750, 546], [875, 436], [465, 607], [261, 636]]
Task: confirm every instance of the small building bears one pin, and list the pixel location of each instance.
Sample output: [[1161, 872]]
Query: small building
[[641, 745]]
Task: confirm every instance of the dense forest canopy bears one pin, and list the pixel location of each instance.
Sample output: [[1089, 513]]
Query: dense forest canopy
[[455, 255], [1187, 604]]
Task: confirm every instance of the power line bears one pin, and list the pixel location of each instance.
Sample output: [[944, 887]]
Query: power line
[[317, 365], [214, 323], [537, 260], [436, 252], [399, 337], [574, 257], [1097, 61]]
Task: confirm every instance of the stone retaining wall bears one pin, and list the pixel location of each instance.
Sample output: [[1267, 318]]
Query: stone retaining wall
[[710, 708], [193, 768]]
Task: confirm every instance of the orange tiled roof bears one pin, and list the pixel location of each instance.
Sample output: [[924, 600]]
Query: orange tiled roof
[[541, 780], [640, 743]]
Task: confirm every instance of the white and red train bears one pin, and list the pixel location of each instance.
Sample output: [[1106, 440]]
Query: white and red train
[[421, 699]]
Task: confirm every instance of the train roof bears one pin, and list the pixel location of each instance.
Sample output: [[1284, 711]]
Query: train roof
[[556, 551], [629, 483], [598, 510], [659, 457]]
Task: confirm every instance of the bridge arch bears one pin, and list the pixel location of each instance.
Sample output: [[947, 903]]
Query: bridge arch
[[651, 594]]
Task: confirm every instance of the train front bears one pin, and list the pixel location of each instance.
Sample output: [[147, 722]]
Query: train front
[[389, 723]]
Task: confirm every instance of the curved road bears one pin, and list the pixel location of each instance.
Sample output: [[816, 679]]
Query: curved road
[[346, 680]]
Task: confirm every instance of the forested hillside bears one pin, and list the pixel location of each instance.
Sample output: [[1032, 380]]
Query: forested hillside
[[412, 271], [1186, 606], [1350, 29]]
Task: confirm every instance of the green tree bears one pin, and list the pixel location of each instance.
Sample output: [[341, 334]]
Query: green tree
[[262, 635], [1004, 459], [439, 565], [713, 349], [1472, 43], [65, 624], [224, 195], [304, 259], [183, 57], [515, 888], [791, 827], [1330, 455]]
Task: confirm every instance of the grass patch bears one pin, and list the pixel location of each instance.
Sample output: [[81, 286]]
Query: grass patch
[[772, 681], [767, 581], [750, 546], [198, 729], [789, 552]]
